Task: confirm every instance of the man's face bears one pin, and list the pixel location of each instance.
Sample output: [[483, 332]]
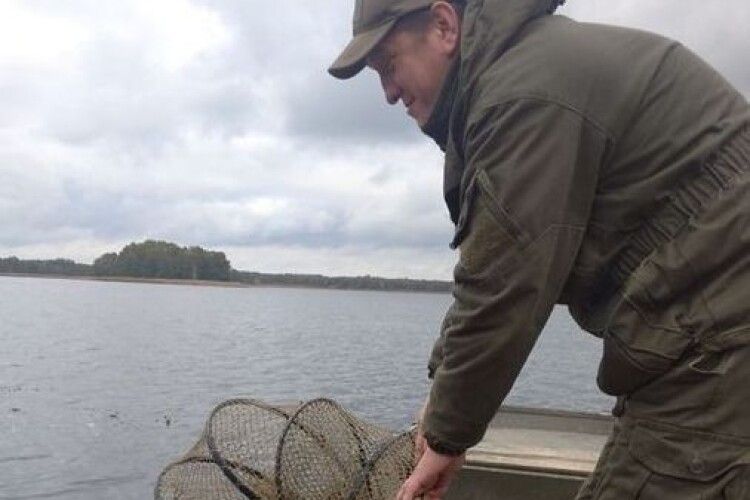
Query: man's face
[[412, 66]]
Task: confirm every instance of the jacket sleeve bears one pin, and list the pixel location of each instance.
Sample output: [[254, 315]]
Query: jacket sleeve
[[436, 356], [533, 167]]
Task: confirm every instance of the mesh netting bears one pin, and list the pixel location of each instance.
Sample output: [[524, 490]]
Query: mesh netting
[[320, 451]]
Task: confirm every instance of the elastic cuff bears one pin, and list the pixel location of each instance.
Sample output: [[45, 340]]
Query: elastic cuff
[[442, 448]]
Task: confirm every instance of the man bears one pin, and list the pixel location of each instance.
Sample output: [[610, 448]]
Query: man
[[599, 167]]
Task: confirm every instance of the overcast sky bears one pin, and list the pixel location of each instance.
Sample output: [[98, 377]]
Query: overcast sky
[[214, 123]]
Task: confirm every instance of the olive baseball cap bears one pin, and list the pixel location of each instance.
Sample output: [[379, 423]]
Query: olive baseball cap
[[373, 20]]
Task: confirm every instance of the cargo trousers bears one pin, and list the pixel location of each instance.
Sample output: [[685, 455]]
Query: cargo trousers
[[661, 448]]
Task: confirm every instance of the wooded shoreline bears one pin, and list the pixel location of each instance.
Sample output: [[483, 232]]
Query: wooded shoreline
[[164, 262], [224, 284]]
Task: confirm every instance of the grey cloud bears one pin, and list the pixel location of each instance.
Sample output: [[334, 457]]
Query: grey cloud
[[294, 52], [107, 204], [120, 98], [271, 75], [303, 222], [354, 110], [283, 36]]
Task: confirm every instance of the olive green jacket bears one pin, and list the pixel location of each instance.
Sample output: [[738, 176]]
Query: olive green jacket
[[580, 160]]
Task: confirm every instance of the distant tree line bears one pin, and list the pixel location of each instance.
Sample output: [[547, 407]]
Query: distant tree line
[[62, 267], [161, 259], [341, 282], [165, 260]]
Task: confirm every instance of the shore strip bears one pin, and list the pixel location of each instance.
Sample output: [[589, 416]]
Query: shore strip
[[204, 283]]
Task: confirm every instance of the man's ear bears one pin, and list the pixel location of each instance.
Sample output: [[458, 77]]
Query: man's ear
[[447, 25]]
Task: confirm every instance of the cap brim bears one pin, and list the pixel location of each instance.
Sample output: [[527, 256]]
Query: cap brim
[[353, 58]]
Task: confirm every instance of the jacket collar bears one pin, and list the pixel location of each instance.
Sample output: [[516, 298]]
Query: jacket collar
[[489, 28], [438, 124]]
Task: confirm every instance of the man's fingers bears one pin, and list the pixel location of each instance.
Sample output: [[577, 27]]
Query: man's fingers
[[430, 477], [441, 487], [446, 479], [416, 484], [409, 490], [438, 490]]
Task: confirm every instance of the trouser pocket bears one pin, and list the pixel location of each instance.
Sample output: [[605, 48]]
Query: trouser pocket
[[653, 461], [593, 482], [618, 476], [739, 487], [687, 464]]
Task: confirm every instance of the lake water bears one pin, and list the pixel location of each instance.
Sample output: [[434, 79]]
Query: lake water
[[102, 384]]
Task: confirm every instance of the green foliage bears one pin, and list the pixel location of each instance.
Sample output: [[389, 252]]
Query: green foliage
[[341, 283], [161, 259], [60, 267]]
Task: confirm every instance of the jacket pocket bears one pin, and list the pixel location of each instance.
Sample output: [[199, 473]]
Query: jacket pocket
[[480, 186], [687, 463], [643, 337], [501, 216], [467, 203]]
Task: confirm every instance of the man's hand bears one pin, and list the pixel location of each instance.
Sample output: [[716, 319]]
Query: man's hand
[[431, 477]]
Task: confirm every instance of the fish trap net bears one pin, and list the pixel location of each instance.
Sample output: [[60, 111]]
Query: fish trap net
[[249, 449]]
